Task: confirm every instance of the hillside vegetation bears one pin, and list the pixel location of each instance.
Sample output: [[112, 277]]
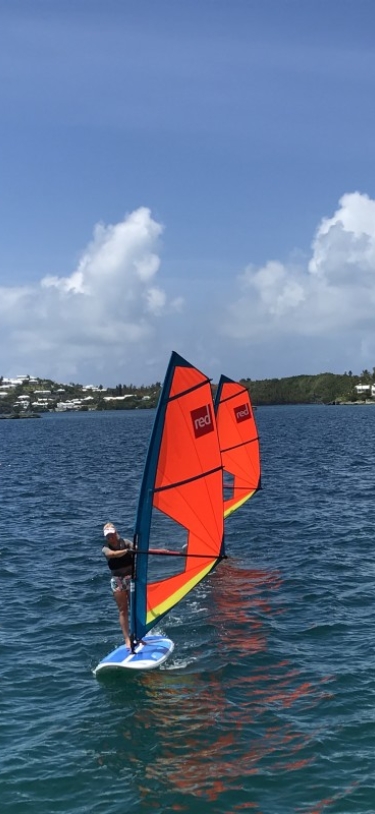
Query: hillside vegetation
[[324, 388]]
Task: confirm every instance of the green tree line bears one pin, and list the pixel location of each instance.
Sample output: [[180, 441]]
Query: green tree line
[[326, 388], [323, 388]]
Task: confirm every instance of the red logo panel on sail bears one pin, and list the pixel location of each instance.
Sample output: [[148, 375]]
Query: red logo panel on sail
[[242, 413], [202, 420]]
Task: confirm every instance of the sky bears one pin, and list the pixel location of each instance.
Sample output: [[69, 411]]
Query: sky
[[191, 176]]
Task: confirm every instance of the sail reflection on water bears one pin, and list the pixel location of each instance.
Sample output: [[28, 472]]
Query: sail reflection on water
[[232, 730], [212, 732]]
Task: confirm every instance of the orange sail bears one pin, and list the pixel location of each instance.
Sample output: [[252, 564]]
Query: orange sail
[[181, 498], [239, 443]]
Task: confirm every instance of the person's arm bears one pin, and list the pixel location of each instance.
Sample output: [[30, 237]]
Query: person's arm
[[108, 552], [129, 543]]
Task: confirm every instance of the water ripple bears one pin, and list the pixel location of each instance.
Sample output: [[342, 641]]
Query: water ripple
[[266, 704]]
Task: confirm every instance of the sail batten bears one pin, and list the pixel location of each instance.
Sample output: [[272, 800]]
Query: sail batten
[[190, 390], [181, 483], [240, 444]]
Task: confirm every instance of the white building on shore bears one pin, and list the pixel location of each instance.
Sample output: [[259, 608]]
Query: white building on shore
[[365, 390]]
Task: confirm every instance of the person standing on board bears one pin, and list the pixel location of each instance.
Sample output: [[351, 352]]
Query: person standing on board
[[119, 554]]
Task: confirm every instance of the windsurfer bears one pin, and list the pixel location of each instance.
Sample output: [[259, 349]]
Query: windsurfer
[[119, 554]]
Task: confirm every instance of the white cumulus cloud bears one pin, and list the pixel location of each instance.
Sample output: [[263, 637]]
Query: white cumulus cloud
[[333, 293], [100, 313]]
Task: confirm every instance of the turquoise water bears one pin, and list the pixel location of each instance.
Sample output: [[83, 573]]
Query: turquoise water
[[267, 703]]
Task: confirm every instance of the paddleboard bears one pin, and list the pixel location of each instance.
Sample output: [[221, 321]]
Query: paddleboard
[[147, 655]]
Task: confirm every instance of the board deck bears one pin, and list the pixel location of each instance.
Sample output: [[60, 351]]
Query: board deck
[[146, 656]]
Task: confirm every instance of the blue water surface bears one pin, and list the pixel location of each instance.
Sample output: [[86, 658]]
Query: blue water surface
[[266, 704]]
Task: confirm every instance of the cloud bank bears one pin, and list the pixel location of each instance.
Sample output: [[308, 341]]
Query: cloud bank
[[112, 319], [100, 314], [330, 297]]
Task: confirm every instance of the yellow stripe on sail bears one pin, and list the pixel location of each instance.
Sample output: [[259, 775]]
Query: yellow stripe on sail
[[172, 600], [238, 504]]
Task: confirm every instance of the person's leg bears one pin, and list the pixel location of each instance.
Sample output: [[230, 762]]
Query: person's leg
[[121, 597]]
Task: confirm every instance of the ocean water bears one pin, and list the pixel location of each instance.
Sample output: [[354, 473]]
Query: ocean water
[[267, 703]]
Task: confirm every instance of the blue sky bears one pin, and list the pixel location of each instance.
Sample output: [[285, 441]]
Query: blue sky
[[192, 176]]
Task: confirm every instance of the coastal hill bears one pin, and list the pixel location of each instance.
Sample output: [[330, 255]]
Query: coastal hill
[[27, 395], [324, 388]]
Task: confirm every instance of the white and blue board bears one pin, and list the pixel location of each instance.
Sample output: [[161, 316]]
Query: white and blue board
[[147, 655]]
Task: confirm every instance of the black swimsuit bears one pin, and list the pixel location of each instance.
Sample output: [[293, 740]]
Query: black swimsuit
[[121, 566]]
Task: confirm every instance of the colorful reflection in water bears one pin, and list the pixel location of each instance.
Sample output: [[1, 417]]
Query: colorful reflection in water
[[242, 727]]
